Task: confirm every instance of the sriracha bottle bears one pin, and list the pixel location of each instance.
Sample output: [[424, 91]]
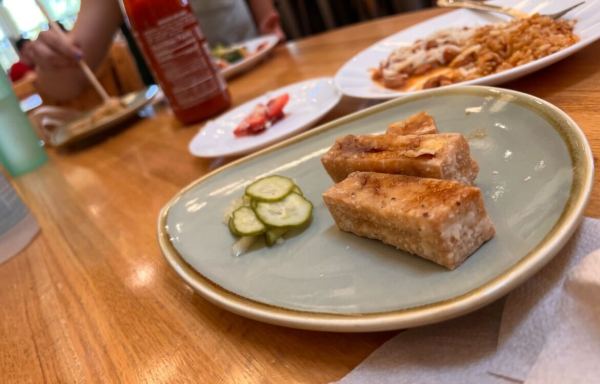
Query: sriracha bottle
[[176, 50]]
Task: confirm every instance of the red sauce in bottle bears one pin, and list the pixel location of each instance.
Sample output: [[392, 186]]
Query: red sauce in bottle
[[174, 46]]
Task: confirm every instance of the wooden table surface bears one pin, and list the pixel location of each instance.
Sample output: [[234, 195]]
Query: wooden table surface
[[93, 300]]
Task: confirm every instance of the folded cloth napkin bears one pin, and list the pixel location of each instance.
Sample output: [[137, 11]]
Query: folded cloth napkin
[[546, 331]]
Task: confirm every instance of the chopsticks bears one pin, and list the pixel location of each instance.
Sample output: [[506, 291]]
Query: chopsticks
[[82, 64]]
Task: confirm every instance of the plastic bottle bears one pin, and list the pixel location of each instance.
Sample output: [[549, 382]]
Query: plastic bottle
[[21, 150], [176, 50]]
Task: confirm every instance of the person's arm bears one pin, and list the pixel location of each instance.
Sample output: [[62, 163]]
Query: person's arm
[[55, 58], [266, 17]]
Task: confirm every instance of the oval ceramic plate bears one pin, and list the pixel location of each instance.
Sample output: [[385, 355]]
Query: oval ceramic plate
[[72, 132], [309, 101], [354, 77], [258, 49], [535, 173]]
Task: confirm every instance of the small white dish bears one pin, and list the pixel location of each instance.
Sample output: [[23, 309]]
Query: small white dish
[[266, 44], [309, 101], [62, 126], [354, 78]]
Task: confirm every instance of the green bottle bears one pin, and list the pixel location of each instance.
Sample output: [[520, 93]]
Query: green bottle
[[21, 150]]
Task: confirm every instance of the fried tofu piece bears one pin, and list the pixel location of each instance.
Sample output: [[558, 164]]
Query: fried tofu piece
[[440, 220], [441, 156], [418, 124]]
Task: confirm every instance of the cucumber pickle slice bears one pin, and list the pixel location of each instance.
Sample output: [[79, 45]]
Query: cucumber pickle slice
[[292, 211], [270, 188], [273, 234], [245, 223]]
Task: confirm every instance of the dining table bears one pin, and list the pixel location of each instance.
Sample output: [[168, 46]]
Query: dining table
[[92, 299]]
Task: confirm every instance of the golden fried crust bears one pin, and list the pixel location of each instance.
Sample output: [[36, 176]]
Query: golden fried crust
[[417, 124], [440, 220], [441, 156]]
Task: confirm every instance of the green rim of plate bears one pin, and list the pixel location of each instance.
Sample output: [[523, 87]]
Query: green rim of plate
[[583, 171]]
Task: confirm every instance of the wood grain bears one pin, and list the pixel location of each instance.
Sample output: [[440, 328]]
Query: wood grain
[[92, 300]]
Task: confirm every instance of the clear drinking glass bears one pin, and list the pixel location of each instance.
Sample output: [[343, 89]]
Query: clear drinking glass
[[21, 150], [17, 226]]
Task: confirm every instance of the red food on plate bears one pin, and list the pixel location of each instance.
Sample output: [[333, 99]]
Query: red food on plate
[[262, 116], [262, 46], [275, 107], [255, 122]]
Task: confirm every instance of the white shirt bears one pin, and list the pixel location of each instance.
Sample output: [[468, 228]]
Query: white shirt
[[224, 21]]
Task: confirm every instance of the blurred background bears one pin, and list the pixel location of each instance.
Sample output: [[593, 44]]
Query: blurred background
[[120, 73], [299, 18], [22, 18]]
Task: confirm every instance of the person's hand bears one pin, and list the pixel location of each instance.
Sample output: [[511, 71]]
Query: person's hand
[[270, 25], [266, 17], [54, 50]]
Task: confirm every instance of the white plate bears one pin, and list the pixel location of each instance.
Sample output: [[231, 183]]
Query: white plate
[[309, 101], [68, 133], [254, 57], [354, 79]]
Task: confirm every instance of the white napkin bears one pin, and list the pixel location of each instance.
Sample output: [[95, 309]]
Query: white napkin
[[546, 331]]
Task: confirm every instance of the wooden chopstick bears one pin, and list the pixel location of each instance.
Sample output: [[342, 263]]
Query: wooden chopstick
[[93, 79], [82, 64]]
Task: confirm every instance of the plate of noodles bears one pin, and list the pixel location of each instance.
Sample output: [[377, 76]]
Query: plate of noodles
[[61, 126], [469, 47]]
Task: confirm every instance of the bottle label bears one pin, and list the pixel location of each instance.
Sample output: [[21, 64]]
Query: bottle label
[[12, 210], [177, 46]]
